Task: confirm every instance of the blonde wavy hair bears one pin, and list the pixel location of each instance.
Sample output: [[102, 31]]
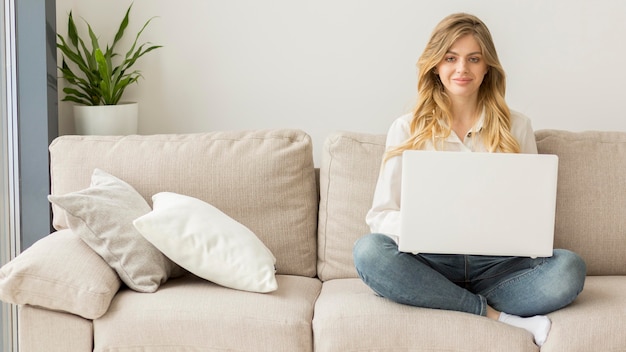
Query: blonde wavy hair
[[432, 116]]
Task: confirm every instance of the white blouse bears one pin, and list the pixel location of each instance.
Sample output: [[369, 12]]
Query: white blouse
[[384, 216]]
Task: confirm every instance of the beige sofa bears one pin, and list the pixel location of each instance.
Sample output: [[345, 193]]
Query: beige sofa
[[71, 300]]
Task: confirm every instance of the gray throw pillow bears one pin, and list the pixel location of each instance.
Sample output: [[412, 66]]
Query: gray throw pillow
[[102, 216]]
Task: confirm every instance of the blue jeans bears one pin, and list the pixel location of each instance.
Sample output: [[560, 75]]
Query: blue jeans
[[468, 283]]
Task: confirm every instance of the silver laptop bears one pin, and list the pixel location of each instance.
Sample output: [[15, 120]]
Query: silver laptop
[[498, 204]]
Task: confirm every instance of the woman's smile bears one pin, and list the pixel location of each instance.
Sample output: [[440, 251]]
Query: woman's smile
[[462, 81]]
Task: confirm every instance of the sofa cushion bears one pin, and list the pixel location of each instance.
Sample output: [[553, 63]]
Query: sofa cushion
[[349, 169], [102, 215], [208, 243], [191, 314], [594, 322], [60, 272], [264, 179], [351, 317], [591, 196]]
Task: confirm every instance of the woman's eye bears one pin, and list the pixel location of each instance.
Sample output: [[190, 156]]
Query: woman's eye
[[449, 59], [474, 59]]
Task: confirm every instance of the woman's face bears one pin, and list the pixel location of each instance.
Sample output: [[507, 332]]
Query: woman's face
[[462, 69]]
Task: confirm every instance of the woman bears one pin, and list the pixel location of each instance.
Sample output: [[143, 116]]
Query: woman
[[461, 107]]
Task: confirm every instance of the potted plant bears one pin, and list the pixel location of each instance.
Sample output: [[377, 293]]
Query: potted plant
[[99, 77]]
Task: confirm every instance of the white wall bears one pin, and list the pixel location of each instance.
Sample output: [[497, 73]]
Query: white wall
[[330, 65]]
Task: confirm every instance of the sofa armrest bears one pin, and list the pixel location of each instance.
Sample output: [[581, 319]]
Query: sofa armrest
[[45, 330]]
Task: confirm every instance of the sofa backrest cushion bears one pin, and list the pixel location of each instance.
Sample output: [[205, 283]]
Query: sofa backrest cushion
[[264, 179], [591, 196], [348, 172]]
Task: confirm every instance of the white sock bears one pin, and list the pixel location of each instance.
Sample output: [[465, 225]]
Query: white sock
[[539, 325]]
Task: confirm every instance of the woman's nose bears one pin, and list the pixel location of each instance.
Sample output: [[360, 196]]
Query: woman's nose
[[461, 66]]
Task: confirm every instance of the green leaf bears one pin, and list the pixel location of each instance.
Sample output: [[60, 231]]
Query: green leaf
[[123, 25], [91, 55], [77, 100], [72, 33], [76, 93], [105, 73]]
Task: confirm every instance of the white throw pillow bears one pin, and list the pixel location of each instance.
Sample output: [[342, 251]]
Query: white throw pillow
[[208, 243]]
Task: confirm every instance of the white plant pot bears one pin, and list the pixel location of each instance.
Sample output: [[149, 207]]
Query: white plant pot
[[106, 120]]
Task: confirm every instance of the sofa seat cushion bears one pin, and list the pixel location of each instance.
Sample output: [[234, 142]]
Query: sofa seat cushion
[[594, 322], [351, 317], [191, 314]]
